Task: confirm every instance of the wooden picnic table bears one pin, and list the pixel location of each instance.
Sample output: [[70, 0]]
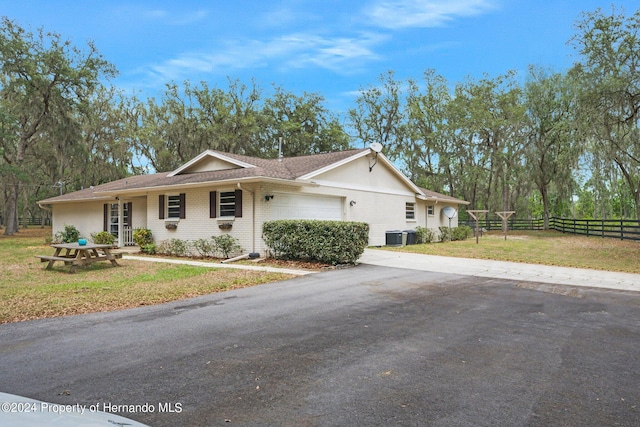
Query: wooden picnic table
[[75, 255]]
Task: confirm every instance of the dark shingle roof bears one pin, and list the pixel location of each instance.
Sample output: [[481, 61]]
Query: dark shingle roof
[[124, 183], [294, 167], [288, 168]]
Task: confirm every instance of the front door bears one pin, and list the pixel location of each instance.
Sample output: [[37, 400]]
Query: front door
[[114, 217], [112, 222]]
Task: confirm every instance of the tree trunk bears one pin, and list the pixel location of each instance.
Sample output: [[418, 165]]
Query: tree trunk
[[635, 188], [12, 211], [636, 199], [25, 208], [545, 206]]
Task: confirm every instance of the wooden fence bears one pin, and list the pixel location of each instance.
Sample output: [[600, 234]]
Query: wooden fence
[[30, 221], [623, 229]]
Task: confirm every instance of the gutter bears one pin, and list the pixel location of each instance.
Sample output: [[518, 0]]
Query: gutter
[[169, 187], [83, 199], [45, 208]]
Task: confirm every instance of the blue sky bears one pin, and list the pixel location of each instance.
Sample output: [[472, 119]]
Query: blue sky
[[331, 47]]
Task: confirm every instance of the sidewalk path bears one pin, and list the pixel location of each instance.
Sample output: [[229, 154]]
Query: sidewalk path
[[503, 270], [220, 265], [465, 266]]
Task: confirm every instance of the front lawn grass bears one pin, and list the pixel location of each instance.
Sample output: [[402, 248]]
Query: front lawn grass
[[542, 247], [28, 291]]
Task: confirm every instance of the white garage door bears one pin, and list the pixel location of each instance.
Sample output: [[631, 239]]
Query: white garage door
[[288, 206]]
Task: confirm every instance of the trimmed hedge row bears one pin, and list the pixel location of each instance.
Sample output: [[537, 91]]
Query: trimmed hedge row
[[332, 242]]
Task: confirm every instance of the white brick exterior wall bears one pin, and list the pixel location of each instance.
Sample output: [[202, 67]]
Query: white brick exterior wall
[[380, 197], [88, 217], [197, 224]]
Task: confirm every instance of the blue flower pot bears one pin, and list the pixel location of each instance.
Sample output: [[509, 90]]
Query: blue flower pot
[[82, 242]]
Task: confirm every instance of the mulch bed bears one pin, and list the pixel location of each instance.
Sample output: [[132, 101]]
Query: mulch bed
[[298, 265]]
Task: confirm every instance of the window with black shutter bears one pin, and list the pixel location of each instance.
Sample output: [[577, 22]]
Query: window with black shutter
[[225, 204], [172, 206]]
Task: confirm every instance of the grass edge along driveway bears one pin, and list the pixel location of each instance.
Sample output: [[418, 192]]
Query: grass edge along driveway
[[28, 291], [541, 247]]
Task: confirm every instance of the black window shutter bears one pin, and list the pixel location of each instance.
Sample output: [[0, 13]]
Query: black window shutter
[[213, 205], [105, 217], [183, 206], [161, 206], [130, 212], [238, 213]]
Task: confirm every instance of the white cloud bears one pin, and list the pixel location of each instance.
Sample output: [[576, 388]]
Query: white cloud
[[154, 13], [395, 14], [283, 16], [189, 17], [343, 55], [163, 16]]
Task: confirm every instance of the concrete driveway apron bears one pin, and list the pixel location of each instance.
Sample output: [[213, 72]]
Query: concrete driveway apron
[[503, 270]]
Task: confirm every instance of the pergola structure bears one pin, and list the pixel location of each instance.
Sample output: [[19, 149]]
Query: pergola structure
[[505, 216], [475, 214]]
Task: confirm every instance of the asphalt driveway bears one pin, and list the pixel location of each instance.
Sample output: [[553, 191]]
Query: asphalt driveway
[[369, 345]]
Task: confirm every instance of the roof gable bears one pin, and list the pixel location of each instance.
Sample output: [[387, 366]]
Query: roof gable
[[334, 165], [303, 166], [365, 168], [358, 169], [209, 161]]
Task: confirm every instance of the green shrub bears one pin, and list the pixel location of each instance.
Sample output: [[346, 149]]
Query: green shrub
[[462, 232], [444, 234], [332, 242], [424, 235], [103, 238], [205, 247], [226, 244], [70, 234], [149, 249], [173, 247], [142, 237]]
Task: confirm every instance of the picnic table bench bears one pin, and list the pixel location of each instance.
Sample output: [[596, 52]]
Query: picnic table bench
[[77, 255]]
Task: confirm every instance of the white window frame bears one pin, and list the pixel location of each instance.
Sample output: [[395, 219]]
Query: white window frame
[[227, 204], [114, 217], [431, 210], [172, 202], [410, 211]]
